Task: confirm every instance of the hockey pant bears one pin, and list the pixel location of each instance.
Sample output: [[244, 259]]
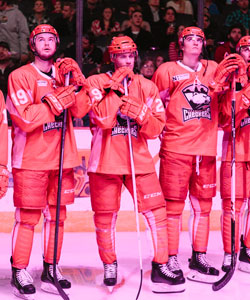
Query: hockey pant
[[105, 234], [198, 223], [23, 232]]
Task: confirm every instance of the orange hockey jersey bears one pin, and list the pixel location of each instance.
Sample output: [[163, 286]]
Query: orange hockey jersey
[[242, 125], [191, 108], [35, 133], [3, 132], [110, 147]]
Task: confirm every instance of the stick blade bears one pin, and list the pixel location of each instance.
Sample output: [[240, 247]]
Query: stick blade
[[216, 286]]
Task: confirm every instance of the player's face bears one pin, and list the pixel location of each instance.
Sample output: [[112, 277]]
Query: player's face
[[192, 45], [245, 53], [45, 45], [124, 60]]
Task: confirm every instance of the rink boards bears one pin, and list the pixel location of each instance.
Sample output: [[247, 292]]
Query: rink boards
[[80, 216]]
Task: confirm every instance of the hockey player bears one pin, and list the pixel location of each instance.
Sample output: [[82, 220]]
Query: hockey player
[[242, 164], [188, 149], [37, 97], [109, 163], [4, 174]]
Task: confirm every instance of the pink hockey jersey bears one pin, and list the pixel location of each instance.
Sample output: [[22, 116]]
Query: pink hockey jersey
[[110, 147], [191, 108], [36, 135], [3, 132], [242, 125]]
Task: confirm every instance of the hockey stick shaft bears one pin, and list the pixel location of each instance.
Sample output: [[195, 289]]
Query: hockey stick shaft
[[229, 274], [125, 83], [59, 192]]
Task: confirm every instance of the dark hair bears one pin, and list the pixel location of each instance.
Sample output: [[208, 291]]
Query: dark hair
[[5, 45], [112, 20], [239, 26], [90, 37], [171, 8]]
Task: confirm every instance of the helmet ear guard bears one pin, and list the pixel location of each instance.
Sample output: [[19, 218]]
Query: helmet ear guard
[[42, 28], [244, 41], [192, 30]]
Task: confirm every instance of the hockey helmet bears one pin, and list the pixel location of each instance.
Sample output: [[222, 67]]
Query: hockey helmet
[[42, 28], [192, 30], [122, 44], [244, 41]]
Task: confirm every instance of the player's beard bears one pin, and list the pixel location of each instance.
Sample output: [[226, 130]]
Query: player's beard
[[45, 57]]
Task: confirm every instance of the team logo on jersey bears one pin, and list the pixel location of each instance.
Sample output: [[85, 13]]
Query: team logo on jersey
[[244, 122], [180, 77], [199, 100], [51, 126], [121, 127]]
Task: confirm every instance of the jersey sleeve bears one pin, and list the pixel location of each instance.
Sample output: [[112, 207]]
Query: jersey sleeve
[[28, 113], [82, 104], [225, 109], [162, 80], [156, 121], [3, 132], [104, 105]]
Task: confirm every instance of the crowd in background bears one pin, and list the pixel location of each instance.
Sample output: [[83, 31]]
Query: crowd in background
[[154, 25]]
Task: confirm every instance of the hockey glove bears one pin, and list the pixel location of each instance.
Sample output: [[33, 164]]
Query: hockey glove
[[135, 109], [4, 180], [115, 83], [60, 99], [66, 65], [223, 74]]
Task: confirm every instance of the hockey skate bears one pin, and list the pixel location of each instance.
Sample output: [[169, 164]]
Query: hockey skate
[[226, 266], [201, 270], [244, 258], [165, 281], [48, 280], [22, 284], [110, 275], [173, 265]]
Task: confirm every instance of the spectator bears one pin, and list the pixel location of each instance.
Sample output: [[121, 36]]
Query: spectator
[[168, 28], [174, 51], [181, 6], [159, 59], [91, 12], [141, 37], [127, 23], [104, 26], [65, 25], [240, 15], [56, 12], [235, 33], [212, 7], [14, 30], [147, 67], [39, 16], [210, 31]]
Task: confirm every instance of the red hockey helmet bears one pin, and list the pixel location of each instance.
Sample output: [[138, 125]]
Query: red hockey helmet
[[121, 44], [42, 28], [244, 41], [191, 31]]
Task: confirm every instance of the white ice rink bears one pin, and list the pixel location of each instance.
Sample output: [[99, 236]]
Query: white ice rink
[[81, 265]]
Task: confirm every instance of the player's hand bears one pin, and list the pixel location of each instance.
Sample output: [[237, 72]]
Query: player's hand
[[4, 180], [233, 63], [66, 65], [60, 99], [115, 83], [135, 109]]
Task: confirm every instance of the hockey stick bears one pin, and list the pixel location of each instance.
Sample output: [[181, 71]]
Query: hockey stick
[[125, 83], [59, 192], [229, 274]]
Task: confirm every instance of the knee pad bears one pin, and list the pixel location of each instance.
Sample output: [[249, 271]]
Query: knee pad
[[175, 207], [50, 213], [29, 217], [201, 205]]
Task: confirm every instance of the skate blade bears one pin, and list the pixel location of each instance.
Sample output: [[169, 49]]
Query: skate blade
[[199, 277], [162, 288], [51, 288], [23, 296], [244, 267]]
